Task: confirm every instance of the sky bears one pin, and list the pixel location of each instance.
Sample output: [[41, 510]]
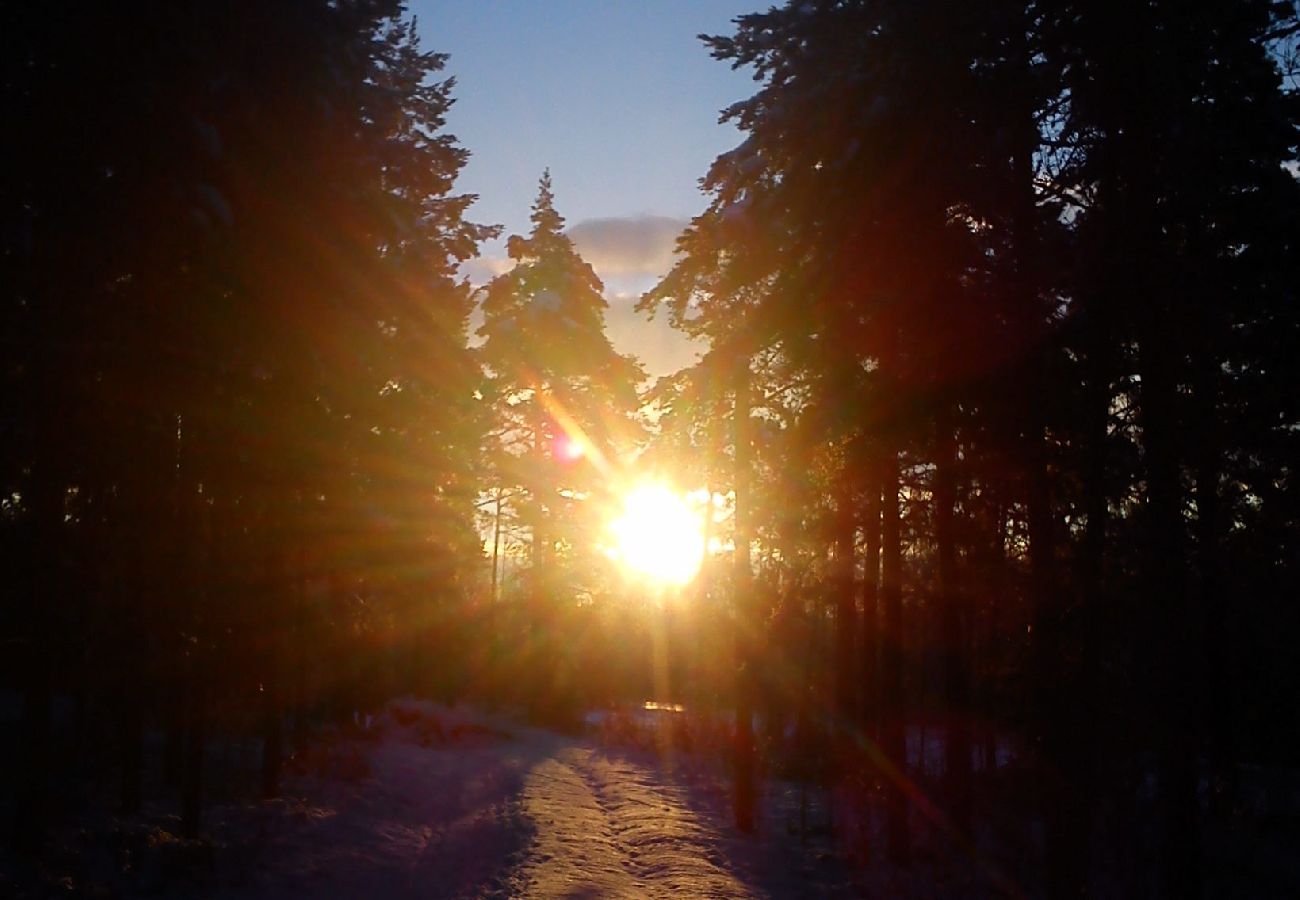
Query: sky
[[620, 100]]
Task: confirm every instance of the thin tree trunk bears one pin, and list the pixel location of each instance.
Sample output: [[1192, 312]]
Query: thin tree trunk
[[273, 687], [541, 531], [132, 594], [991, 651], [956, 675], [870, 602], [304, 696], [33, 774], [1171, 624], [894, 725], [196, 671], [1216, 636], [196, 582], [846, 620], [496, 554], [132, 724], [539, 690], [1054, 700], [1075, 743], [744, 737], [192, 774], [174, 739], [43, 575], [272, 747]]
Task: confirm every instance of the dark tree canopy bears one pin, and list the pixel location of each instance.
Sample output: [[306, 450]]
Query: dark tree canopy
[[241, 435], [1023, 267], [992, 449]]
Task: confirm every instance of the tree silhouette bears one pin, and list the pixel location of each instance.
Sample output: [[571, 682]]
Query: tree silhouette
[[918, 224], [998, 399], [244, 373], [565, 402]]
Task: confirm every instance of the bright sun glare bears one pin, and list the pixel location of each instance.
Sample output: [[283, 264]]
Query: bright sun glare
[[658, 535]]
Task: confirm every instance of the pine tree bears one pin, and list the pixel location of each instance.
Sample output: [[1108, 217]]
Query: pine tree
[[243, 286], [566, 402], [1172, 227]]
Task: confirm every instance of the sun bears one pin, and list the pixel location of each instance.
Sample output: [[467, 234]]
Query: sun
[[658, 535]]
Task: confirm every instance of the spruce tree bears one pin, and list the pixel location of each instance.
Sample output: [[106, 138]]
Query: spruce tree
[[566, 403], [243, 287]]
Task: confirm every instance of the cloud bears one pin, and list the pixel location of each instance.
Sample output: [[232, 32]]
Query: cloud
[[661, 349], [629, 254], [632, 247], [482, 269]]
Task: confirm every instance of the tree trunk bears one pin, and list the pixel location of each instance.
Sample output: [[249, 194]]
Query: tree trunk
[[539, 689], [1172, 621], [272, 750], [870, 602], [272, 719], [991, 653], [198, 581], [1216, 635], [132, 724], [173, 761], [192, 775], [33, 774], [744, 736], [41, 583], [956, 674], [541, 530], [1071, 745], [846, 620], [135, 594], [1055, 700], [894, 724]]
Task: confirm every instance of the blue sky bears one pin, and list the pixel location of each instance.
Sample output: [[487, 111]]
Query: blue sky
[[619, 98]]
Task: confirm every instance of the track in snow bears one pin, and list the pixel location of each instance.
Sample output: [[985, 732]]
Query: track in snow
[[608, 827], [539, 815]]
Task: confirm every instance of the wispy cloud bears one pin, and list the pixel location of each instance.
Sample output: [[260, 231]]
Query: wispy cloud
[[661, 349], [638, 247], [629, 254], [482, 269]]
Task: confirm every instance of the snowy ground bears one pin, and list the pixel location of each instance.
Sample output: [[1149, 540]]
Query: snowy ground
[[427, 801], [472, 807]]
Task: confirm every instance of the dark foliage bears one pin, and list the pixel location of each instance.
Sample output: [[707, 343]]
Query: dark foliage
[[1026, 271], [239, 426]]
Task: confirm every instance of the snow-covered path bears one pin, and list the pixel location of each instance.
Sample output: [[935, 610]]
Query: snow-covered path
[[530, 814], [608, 827]]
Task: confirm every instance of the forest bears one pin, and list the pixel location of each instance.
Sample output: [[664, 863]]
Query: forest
[[993, 435]]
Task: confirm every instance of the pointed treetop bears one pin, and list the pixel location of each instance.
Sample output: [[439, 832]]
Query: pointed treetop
[[544, 322], [544, 217]]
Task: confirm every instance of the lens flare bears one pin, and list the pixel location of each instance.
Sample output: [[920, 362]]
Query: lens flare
[[567, 448]]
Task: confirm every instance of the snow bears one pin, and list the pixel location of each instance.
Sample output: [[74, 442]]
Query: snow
[[609, 828], [440, 802], [421, 800], [430, 809]]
